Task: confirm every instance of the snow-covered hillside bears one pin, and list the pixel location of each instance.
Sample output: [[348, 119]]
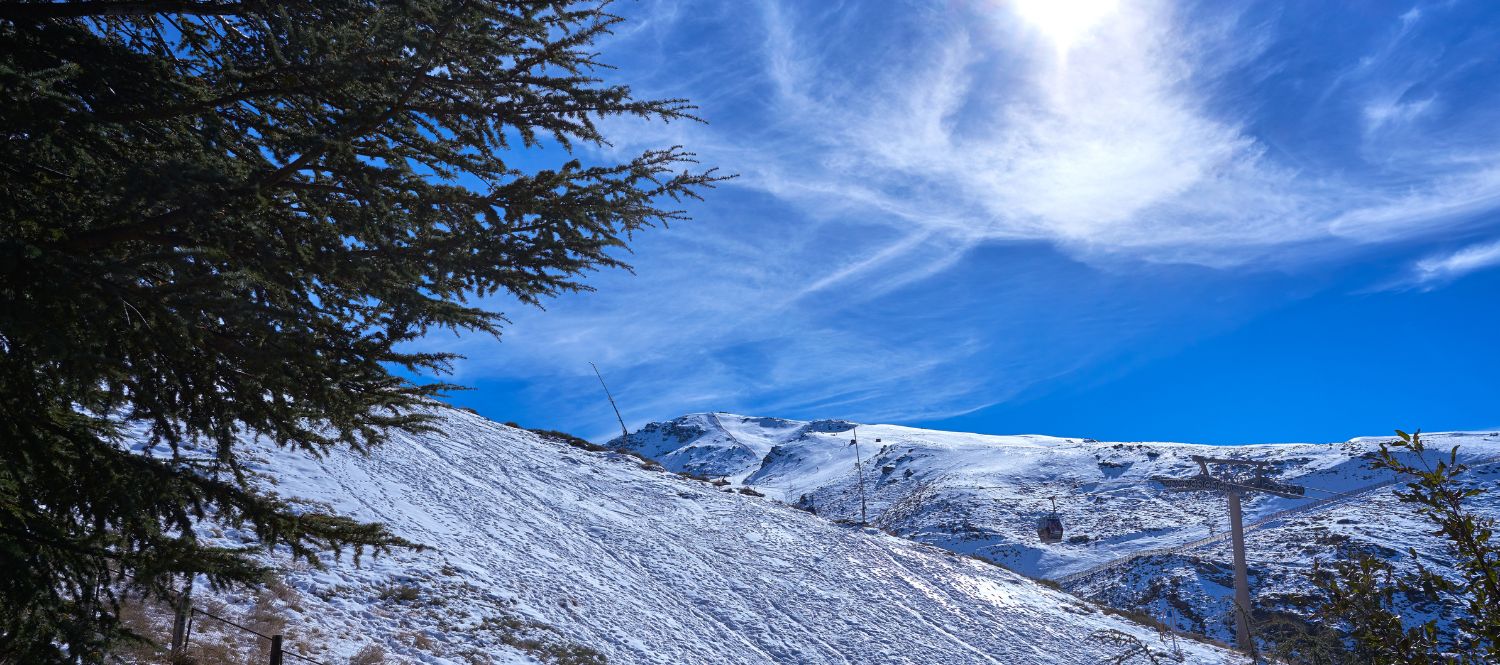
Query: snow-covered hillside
[[539, 543], [982, 495]]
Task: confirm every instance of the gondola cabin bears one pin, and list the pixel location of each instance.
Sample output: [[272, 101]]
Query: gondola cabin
[[1050, 529]]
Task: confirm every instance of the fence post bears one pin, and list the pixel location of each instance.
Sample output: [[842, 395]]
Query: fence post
[[183, 610], [275, 650]]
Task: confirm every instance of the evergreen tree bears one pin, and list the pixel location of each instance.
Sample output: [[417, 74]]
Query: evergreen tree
[[230, 216]]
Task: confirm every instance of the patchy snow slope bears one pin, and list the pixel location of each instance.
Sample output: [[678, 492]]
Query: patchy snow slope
[[982, 495], [1187, 587], [649, 567]]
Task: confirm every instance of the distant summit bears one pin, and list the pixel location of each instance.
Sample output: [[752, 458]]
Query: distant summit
[[720, 445]]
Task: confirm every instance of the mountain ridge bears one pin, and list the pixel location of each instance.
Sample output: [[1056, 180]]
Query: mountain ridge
[[982, 495]]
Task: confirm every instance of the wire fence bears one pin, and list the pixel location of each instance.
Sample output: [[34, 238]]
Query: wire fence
[[277, 650]]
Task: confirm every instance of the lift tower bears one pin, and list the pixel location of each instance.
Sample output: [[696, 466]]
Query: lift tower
[[1232, 489]]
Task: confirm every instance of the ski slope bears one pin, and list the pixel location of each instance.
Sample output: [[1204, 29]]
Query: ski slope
[[644, 566], [1128, 543], [982, 494], [1223, 536]]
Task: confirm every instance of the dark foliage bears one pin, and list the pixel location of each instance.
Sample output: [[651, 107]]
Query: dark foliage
[[1289, 638], [228, 217], [1131, 649], [564, 437], [1359, 594]]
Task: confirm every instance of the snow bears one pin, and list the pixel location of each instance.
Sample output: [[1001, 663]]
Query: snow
[[646, 566], [982, 495]]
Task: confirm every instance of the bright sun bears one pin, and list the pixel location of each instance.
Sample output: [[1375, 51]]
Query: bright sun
[[1064, 21]]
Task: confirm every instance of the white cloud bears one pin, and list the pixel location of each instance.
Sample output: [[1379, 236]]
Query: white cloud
[[1410, 18], [1094, 129], [1443, 204], [1394, 109], [1442, 268], [1108, 150]]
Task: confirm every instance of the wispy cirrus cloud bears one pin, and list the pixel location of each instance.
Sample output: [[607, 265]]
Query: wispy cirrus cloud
[[1113, 147], [1131, 159], [1437, 269]]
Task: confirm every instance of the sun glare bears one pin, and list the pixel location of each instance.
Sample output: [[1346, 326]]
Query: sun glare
[[1065, 22]]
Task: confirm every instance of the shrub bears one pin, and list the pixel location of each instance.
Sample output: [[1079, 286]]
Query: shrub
[[401, 593], [564, 437], [372, 654]]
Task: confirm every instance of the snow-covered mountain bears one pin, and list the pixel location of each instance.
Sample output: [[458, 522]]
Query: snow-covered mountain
[[545, 551], [1128, 542]]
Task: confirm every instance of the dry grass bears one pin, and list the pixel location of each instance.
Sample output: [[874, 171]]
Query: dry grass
[[141, 618], [212, 642], [372, 654]]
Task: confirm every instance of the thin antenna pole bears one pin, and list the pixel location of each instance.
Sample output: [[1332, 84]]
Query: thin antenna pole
[[859, 468], [624, 433]]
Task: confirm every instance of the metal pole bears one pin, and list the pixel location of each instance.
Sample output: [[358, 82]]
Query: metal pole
[[624, 433], [1241, 577], [1232, 490], [275, 650], [859, 468]]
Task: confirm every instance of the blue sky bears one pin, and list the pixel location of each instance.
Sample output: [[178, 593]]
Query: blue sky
[[1145, 220]]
